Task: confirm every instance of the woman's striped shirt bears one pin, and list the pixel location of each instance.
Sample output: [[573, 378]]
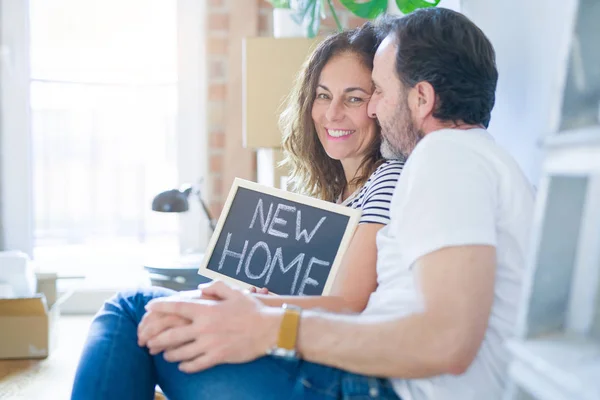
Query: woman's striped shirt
[[374, 198]]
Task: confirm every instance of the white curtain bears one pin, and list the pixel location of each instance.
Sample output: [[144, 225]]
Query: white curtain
[[2, 51], [16, 209]]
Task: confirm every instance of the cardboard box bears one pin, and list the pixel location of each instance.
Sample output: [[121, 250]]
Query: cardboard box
[[27, 325], [270, 67]]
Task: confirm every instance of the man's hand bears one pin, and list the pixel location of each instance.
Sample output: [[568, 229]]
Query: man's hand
[[236, 328], [155, 323]]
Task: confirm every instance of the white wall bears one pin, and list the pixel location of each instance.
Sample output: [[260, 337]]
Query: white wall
[[531, 39]]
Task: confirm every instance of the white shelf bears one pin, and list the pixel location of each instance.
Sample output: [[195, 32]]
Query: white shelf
[[562, 282], [575, 137], [557, 368], [573, 156]]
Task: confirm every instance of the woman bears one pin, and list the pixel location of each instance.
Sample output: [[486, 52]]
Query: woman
[[333, 151]]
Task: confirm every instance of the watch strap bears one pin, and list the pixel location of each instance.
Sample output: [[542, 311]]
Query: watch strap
[[288, 333]]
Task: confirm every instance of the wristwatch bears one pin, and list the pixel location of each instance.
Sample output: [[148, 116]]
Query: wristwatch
[[288, 333]]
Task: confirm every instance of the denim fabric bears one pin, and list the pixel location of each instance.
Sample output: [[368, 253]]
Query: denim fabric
[[114, 367]]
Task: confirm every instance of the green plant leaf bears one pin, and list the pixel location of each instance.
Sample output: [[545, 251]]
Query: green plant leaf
[[308, 14], [334, 15], [312, 29], [366, 9], [408, 6], [280, 3], [301, 10]]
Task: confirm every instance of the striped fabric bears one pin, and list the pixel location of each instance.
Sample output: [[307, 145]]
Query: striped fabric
[[375, 196]]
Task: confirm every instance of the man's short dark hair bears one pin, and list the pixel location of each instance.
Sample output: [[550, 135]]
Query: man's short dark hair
[[446, 49]]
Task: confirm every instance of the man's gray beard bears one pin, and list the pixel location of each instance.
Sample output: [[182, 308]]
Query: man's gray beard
[[389, 152], [404, 138], [402, 133]]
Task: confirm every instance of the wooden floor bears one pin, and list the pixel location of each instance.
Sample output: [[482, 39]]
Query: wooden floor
[[52, 378]]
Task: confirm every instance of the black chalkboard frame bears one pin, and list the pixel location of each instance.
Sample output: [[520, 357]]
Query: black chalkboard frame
[[352, 214]]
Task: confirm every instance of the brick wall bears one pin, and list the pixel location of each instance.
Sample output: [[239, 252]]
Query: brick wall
[[218, 45]]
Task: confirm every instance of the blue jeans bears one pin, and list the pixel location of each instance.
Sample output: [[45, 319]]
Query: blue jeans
[[114, 367]]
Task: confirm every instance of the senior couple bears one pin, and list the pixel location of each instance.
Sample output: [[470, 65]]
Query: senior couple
[[389, 118]]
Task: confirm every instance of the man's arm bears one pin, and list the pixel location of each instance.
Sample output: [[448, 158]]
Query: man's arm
[[458, 289], [457, 285]]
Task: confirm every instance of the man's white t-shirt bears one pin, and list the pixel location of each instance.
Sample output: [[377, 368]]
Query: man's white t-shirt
[[458, 187]]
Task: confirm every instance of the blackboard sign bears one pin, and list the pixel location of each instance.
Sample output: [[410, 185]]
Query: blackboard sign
[[288, 243]]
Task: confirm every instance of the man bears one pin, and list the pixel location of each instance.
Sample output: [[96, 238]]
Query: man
[[450, 262]]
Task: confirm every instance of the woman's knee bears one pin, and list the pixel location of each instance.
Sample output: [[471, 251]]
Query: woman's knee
[[132, 303]]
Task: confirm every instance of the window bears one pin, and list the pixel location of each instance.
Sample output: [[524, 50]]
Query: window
[[104, 112]]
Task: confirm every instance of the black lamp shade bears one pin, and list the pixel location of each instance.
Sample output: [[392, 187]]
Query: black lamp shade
[[171, 201]]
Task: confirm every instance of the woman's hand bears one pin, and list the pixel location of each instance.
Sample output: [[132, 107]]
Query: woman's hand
[[255, 290], [236, 328]]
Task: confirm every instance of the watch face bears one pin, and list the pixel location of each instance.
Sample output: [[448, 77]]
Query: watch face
[[291, 307], [283, 353]]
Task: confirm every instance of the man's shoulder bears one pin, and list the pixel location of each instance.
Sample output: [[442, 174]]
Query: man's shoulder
[[456, 140], [447, 147]]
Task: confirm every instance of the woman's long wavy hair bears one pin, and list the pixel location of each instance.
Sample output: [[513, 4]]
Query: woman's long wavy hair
[[312, 171]]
